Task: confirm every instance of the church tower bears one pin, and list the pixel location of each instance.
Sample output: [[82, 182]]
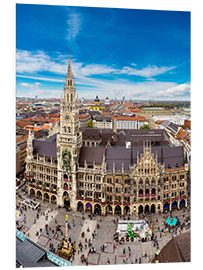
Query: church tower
[[69, 142]]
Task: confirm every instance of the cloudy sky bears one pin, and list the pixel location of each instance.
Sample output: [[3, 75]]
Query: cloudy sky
[[139, 54]]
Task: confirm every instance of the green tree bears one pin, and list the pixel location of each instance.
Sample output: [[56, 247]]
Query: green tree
[[89, 124], [144, 126]]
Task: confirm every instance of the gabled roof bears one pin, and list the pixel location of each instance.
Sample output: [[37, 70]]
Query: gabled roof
[[47, 147], [165, 123], [172, 126], [91, 154], [173, 156], [177, 250]]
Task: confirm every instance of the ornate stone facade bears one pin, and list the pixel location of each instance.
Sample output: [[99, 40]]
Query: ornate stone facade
[[104, 177]]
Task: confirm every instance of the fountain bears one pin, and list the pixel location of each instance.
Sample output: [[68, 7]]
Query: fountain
[[171, 221]]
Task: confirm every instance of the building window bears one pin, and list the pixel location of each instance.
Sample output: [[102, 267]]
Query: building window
[[118, 180], [89, 177], [109, 180]]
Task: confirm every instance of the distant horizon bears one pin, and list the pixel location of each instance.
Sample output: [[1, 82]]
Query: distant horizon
[[139, 54], [112, 99]]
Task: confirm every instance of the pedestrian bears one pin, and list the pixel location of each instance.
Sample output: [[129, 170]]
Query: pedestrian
[[124, 251]]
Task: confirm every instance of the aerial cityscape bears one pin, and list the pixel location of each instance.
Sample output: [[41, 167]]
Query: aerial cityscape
[[103, 151]]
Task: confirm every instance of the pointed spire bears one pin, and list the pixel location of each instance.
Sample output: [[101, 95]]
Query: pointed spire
[[122, 167], [137, 157], [69, 73]]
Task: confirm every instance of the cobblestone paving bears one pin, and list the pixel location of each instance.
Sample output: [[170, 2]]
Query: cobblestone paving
[[139, 251]]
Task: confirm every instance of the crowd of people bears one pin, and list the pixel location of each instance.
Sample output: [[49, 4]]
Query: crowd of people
[[85, 245]]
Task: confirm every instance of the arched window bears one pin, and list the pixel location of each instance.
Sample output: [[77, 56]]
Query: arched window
[[147, 181], [153, 191], [141, 181], [68, 98], [140, 192], [147, 191], [71, 97]]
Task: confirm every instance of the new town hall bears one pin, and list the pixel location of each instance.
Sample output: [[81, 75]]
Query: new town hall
[[105, 170]]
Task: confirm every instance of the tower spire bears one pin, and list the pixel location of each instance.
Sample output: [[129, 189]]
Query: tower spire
[[69, 73]]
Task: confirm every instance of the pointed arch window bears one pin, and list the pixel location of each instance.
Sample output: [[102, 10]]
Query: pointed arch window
[[141, 181]]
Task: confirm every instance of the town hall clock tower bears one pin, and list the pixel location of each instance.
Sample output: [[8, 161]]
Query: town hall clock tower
[[69, 142]]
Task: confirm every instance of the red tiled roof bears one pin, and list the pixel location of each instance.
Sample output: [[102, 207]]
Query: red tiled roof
[[135, 110], [22, 124], [158, 122], [141, 119], [19, 139], [83, 116]]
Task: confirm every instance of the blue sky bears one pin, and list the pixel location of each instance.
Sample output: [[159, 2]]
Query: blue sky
[[139, 54]]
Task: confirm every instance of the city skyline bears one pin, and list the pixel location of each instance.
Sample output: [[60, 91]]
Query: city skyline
[[139, 54]]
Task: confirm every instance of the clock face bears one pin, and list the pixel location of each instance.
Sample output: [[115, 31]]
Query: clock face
[[67, 117]]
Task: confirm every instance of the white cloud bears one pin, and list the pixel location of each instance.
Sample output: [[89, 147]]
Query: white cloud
[[96, 69], [74, 26], [119, 88], [30, 62], [147, 72], [38, 61], [25, 84], [41, 93], [37, 83], [175, 91], [87, 86], [39, 78]]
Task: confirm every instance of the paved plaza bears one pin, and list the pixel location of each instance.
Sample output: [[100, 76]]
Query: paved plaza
[[51, 216]]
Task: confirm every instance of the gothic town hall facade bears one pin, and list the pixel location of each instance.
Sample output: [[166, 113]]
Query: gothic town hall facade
[[105, 170]]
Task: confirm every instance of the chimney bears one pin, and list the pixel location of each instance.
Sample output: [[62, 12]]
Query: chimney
[[128, 145]]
